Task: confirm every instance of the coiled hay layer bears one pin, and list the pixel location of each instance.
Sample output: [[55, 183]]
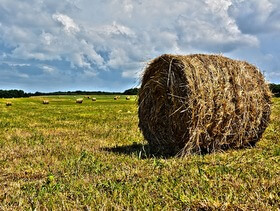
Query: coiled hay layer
[[202, 103]]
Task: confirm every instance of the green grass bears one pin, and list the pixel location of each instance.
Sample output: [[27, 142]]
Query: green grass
[[92, 155]]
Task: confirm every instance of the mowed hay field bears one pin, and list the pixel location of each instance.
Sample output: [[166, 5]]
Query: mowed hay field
[[65, 156]]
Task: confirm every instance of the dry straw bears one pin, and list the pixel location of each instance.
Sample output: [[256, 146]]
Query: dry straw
[[202, 103], [116, 97], [46, 102], [93, 99], [79, 100], [127, 98], [8, 103]]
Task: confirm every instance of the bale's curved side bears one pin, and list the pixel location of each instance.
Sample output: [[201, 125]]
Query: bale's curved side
[[203, 103]]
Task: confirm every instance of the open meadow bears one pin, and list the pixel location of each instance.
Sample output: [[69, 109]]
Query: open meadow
[[65, 156]]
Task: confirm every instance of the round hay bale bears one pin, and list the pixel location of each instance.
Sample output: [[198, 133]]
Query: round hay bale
[[8, 103], [79, 100], [93, 99], [202, 103], [116, 97], [127, 98], [46, 102]]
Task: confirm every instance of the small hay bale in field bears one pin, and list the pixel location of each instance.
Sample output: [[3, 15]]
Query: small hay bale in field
[[46, 102], [8, 103], [202, 103], [93, 99], [79, 100], [127, 98], [116, 97]]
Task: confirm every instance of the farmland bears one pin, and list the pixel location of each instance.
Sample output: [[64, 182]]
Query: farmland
[[92, 155]]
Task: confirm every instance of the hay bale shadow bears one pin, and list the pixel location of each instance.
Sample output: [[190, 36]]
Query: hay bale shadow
[[142, 151], [146, 151]]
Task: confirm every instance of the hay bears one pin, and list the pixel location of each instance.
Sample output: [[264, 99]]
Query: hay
[[202, 103], [93, 99], [127, 98], [46, 102], [116, 98], [8, 103], [80, 100]]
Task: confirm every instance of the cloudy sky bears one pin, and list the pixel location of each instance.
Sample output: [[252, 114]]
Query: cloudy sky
[[50, 45]]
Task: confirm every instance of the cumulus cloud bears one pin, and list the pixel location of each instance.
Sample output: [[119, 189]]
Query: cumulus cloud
[[93, 38], [256, 16], [68, 24], [48, 69]]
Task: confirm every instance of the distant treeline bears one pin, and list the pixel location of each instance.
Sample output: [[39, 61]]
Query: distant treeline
[[133, 91], [275, 88], [75, 93], [20, 93], [13, 93]]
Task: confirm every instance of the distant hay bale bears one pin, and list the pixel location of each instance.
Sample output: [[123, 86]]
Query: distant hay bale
[[127, 98], [79, 100], [116, 97], [8, 103], [46, 102], [93, 99], [202, 103]]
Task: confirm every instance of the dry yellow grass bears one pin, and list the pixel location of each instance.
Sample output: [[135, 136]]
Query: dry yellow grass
[[85, 157]]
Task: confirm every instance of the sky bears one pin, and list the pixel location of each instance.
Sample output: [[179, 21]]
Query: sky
[[61, 45]]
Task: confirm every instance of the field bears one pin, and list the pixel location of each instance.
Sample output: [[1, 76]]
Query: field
[[65, 156]]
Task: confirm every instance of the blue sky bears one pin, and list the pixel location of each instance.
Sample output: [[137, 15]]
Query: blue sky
[[51, 45]]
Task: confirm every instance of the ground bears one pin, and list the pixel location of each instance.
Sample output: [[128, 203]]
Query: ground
[[66, 156]]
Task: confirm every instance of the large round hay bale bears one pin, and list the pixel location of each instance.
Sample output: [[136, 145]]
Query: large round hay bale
[[80, 100], [202, 103], [46, 102], [93, 99], [127, 98], [8, 103]]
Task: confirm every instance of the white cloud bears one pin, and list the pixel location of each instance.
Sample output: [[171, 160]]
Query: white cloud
[[117, 29], [119, 35], [256, 16], [19, 65], [47, 38], [68, 24], [48, 69], [23, 75]]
